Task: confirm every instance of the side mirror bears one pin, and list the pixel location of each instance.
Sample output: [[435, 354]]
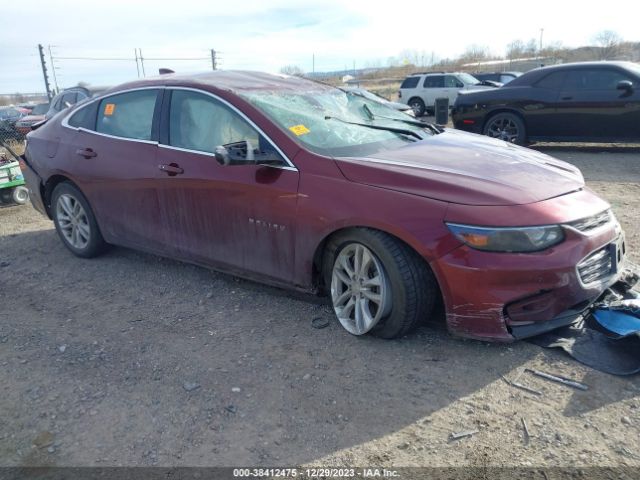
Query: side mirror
[[625, 85], [243, 153]]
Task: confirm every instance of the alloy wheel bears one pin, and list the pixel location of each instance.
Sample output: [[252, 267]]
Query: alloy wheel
[[73, 221], [503, 128], [360, 290]]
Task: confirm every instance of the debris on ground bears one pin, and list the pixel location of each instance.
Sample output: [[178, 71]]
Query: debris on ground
[[463, 434], [558, 379], [320, 322]]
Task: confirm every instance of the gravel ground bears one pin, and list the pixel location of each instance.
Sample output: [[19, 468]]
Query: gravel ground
[[131, 359]]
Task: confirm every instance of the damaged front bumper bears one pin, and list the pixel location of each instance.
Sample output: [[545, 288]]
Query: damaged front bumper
[[509, 296]]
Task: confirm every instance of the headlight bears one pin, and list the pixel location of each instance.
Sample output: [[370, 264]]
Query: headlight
[[509, 239]]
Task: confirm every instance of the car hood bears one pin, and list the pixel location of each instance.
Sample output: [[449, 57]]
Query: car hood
[[465, 168]]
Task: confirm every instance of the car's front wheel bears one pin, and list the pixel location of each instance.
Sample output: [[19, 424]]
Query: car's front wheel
[[75, 222], [506, 126], [378, 284]]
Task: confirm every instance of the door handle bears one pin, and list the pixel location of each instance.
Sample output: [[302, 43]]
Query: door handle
[[86, 153], [566, 98], [171, 169]]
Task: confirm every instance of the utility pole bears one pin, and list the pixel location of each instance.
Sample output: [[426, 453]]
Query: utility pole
[[541, 32], [135, 51], [44, 71], [214, 62], [313, 63], [142, 62], [53, 69]]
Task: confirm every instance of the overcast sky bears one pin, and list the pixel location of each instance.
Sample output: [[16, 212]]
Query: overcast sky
[[266, 35]]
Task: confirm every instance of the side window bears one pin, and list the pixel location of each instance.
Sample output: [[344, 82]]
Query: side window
[[200, 122], [85, 117], [593, 79], [127, 115], [553, 81], [410, 82], [452, 82], [434, 81]]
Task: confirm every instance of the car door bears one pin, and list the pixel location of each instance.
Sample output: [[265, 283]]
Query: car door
[[434, 88], [591, 106], [239, 217], [114, 151]]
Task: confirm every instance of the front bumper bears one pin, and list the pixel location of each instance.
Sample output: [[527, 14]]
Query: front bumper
[[508, 296]]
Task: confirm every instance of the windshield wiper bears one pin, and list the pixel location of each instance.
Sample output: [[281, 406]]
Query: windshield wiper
[[434, 128], [401, 131]]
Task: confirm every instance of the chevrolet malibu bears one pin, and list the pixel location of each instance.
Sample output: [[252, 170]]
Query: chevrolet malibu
[[296, 184]]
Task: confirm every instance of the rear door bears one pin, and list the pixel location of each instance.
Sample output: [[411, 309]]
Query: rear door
[[115, 161], [434, 88], [590, 105], [239, 217]]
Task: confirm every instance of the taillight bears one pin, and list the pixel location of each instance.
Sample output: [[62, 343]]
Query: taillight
[[468, 122]]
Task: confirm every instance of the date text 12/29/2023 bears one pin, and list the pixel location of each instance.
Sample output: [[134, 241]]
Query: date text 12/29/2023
[[315, 472]]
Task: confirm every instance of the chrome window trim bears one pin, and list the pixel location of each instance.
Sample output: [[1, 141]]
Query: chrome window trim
[[289, 166], [65, 123], [99, 98], [213, 155]]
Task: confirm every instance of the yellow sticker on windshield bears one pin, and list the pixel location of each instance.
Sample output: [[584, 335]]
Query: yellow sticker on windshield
[[109, 108], [299, 129]]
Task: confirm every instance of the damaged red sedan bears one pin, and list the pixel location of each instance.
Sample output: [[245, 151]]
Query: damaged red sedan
[[289, 182]]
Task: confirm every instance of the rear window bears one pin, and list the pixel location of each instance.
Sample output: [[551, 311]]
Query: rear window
[[127, 115], [410, 82], [553, 81]]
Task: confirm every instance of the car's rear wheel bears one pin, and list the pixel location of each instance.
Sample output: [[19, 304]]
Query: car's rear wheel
[[75, 222], [506, 126], [20, 195], [378, 284], [418, 107]]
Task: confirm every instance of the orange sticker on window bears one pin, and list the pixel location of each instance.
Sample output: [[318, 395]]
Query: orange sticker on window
[[109, 108], [299, 129]]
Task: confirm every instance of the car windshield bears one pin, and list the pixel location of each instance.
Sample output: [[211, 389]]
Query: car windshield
[[8, 112], [634, 67], [468, 79], [40, 109], [303, 114]]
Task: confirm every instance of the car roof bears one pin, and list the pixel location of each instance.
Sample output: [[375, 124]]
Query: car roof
[[536, 74], [230, 80]]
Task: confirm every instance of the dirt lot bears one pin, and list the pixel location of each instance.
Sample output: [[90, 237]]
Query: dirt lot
[[131, 359]]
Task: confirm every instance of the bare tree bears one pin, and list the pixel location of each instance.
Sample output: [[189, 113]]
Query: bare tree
[[294, 70], [608, 44], [515, 49], [474, 53]]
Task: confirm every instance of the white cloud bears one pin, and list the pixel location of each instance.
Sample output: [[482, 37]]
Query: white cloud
[[265, 35]]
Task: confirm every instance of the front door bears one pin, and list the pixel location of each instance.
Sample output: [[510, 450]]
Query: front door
[[591, 106], [239, 217]]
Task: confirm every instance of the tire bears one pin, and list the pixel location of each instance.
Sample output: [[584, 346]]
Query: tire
[[6, 195], [506, 126], [71, 212], [418, 106], [20, 195], [408, 289]]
